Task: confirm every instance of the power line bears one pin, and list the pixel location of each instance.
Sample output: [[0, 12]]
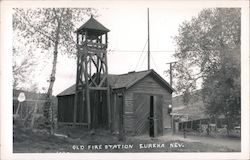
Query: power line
[[141, 55], [154, 62], [143, 59], [131, 51]]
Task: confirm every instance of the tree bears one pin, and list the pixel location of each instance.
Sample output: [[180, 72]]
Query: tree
[[50, 30], [21, 69], [208, 54], [223, 88]]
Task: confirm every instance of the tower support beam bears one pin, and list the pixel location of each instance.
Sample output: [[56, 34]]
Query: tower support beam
[[92, 75]]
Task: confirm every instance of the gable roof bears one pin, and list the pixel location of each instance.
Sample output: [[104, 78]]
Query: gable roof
[[125, 81], [68, 91], [93, 25], [129, 79]]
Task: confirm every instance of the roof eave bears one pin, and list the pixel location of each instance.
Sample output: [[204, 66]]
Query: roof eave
[[158, 76], [102, 31], [132, 84], [164, 81], [85, 27]]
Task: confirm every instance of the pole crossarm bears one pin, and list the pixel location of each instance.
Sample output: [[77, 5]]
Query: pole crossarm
[[170, 71]]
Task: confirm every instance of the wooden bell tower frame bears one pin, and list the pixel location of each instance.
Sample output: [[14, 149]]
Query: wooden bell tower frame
[[92, 70]]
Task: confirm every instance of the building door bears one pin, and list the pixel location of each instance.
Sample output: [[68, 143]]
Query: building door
[[148, 113], [151, 118], [158, 117], [155, 116]]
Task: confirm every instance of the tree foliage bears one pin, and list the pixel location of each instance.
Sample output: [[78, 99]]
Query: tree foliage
[[39, 26], [50, 30], [208, 54], [21, 69]]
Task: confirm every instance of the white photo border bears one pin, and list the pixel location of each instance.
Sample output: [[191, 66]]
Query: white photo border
[[6, 79]]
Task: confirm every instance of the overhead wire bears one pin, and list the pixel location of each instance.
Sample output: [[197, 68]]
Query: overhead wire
[[145, 55], [141, 54], [154, 62], [131, 51]]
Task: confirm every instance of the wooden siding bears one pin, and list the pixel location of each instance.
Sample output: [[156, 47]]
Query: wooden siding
[[158, 115], [115, 113], [99, 110], [147, 85], [141, 111], [129, 115], [66, 109]]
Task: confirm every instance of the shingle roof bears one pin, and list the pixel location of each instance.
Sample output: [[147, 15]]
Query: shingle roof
[[94, 25], [124, 81], [68, 91]]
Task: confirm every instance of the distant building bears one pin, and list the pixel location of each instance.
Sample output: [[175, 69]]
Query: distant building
[[194, 109], [189, 116], [193, 116]]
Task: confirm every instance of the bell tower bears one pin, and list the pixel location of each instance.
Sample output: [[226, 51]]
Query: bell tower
[[92, 85]]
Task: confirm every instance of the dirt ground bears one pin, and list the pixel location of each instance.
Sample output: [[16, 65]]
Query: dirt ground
[[229, 142], [80, 140]]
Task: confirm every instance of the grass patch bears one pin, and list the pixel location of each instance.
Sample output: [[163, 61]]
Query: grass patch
[[80, 140]]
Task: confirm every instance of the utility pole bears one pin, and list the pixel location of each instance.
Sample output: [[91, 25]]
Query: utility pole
[[170, 71], [171, 83], [148, 43]]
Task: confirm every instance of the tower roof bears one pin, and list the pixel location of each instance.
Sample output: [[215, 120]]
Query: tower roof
[[93, 27]]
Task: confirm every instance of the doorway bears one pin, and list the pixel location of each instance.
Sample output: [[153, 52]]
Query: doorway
[[148, 113], [151, 117]]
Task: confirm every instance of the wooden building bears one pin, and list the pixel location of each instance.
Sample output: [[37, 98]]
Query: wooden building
[[136, 97]]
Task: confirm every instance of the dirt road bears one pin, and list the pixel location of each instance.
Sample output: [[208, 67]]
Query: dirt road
[[232, 143]]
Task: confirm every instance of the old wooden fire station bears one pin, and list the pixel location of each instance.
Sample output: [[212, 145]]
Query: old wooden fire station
[[134, 103]]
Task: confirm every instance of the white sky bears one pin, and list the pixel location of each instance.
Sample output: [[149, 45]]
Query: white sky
[[129, 33]]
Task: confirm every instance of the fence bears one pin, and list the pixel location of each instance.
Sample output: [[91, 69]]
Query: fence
[[31, 110], [209, 127]]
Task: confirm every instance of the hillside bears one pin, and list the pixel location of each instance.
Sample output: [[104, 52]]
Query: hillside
[[195, 108]]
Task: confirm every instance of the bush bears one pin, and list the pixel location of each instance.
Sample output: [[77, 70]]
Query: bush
[[39, 122]]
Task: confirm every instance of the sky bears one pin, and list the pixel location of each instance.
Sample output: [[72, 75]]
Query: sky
[[127, 38], [127, 43]]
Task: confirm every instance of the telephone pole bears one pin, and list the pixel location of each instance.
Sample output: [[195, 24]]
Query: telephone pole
[[170, 71], [171, 83]]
